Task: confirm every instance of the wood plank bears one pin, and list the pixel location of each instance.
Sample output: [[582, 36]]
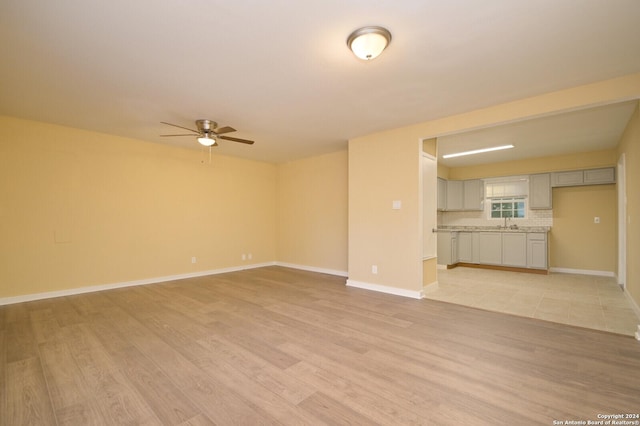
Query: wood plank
[[86, 413], [65, 381], [22, 341], [331, 411], [27, 397], [117, 399]]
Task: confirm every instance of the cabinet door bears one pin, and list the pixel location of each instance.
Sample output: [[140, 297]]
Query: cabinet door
[[490, 248], [514, 249], [442, 194], [473, 194], [540, 191], [537, 251], [465, 247], [444, 248], [572, 178], [600, 176], [454, 195]]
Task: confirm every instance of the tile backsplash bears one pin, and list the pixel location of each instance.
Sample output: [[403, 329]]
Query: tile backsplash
[[480, 218]]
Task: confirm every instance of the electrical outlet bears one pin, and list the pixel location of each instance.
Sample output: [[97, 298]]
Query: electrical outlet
[[244, 256], [596, 219], [374, 269], [249, 256], [193, 259]]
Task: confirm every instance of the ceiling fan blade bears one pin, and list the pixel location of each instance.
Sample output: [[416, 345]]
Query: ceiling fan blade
[[229, 138], [190, 134], [225, 129], [180, 127]]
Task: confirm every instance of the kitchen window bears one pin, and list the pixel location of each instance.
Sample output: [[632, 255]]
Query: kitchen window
[[515, 207]]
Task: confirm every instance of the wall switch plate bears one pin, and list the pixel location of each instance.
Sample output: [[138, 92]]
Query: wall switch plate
[[249, 256], [396, 205], [244, 256], [596, 219]]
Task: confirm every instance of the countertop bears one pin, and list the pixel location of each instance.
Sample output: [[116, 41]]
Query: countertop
[[525, 229]]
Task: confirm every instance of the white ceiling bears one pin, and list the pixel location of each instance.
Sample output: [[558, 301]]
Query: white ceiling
[[280, 71], [585, 130]]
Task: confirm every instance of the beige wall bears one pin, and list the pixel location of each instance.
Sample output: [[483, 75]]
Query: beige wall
[[575, 241], [375, 233], [312, 212], [383, 169], [630, 147], [81, 209]]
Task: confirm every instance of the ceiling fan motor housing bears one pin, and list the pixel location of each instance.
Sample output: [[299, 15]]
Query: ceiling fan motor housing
[[206, 126]]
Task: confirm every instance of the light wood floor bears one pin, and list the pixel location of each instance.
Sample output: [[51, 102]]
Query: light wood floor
[[280, 346]]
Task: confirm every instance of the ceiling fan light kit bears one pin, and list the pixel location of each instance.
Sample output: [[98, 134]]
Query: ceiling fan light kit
[[367, 43], [206, 140]]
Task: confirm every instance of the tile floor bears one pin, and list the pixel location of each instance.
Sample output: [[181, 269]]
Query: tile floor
[[581, 300]]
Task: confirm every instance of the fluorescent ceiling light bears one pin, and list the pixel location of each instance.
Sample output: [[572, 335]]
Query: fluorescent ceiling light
[[478, 151]]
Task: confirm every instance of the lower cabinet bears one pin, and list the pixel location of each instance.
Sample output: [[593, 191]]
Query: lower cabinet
[[537, 253], [447, 248], [490, 248], [465, 247], [514, 249]]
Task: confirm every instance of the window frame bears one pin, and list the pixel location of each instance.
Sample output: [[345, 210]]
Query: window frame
[[513, 210]]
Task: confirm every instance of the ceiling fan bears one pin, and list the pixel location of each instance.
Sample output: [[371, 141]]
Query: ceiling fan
[[208, 133]]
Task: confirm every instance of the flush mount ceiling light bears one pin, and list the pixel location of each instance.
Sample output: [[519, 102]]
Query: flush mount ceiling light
[[368, 42], [478, 151], [207, 140]]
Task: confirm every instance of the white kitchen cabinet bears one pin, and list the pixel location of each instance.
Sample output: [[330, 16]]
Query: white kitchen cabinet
[[599, 176], [537, 250], [447, 248], [490, 248], [571, 178], [455, 192], [465, 247], [473, 194], [540, 191], [442, 194], [514, 249]]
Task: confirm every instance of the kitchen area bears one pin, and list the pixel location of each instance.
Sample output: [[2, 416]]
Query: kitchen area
[[494, 251]]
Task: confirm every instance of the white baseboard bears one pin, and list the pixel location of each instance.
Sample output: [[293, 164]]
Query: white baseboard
[[583, 272], [146, 281], [386, 289], [313, 269]]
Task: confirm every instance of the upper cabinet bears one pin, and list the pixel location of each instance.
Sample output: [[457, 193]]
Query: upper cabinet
[[540, 191], [442, 194], [469, 195], [455, 195], [584, 177], [459, 195], [473, 193]]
